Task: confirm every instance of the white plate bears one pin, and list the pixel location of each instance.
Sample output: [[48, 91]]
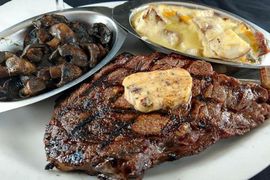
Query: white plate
[[22, 153]]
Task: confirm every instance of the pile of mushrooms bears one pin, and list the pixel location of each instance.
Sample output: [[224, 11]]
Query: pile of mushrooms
[[55, 52]]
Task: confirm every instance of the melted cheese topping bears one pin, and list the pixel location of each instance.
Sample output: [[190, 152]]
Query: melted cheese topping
[[227, 49], [155, 90], [195, 32]]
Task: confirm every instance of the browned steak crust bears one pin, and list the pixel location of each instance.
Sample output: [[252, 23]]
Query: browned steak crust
[[96, 130]]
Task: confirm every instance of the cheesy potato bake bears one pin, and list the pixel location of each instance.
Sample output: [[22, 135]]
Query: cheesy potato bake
[[199, 32]]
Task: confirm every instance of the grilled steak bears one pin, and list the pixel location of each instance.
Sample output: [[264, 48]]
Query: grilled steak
[[94, 129]]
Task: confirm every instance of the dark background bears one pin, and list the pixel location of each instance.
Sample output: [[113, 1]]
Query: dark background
[[257, 11]]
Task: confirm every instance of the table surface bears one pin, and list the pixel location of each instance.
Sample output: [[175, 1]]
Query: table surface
[[255, 11]]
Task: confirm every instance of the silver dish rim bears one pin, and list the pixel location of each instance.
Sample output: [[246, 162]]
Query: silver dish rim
[[123, 14], [119, 38]]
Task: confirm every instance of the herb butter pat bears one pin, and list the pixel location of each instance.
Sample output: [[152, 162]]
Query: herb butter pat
[[155, 90]]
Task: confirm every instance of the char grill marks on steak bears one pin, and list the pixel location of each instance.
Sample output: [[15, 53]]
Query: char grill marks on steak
[[96, 130]]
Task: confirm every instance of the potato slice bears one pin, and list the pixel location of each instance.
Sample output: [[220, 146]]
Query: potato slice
[[210, 27], [229, 45]]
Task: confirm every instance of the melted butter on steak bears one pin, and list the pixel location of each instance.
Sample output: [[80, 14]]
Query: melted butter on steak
[[160, 89]]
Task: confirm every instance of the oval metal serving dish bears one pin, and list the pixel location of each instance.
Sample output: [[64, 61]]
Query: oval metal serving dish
[[12, 39], [124, 14]]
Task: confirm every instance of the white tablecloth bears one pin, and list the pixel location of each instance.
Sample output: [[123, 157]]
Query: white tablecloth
[[18, 10]]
